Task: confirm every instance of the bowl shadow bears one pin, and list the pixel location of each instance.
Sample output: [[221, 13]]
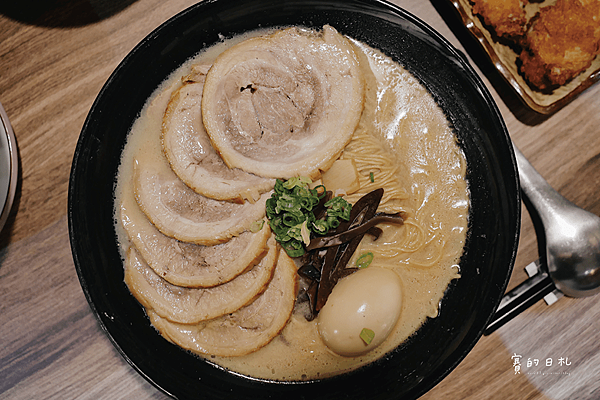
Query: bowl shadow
[[62, 13]]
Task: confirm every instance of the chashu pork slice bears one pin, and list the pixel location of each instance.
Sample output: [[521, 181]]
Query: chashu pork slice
[[188, 264], [192, 305], [181, 213], [245, 330], [284, 104], [190, 153]]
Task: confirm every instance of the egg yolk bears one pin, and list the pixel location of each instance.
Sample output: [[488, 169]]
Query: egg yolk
[[370, 300]]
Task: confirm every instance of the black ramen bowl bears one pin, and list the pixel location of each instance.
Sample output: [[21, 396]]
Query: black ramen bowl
[[469, 303]]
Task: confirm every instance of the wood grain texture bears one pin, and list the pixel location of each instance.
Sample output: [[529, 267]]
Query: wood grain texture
[[54, 61]]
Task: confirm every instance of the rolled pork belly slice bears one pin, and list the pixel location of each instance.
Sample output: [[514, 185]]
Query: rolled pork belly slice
[[188, 264], [190, 153], [192, 305], [284, 104], [181, 213], [244, 331]]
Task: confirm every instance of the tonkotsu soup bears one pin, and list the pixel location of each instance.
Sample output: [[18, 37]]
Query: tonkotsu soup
[[194, 285]]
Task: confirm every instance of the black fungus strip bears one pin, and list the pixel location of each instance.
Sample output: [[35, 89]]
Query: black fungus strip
[[319, 210], [375, 232], [311, 293], [335, 240], [310, 271], [326, 283]]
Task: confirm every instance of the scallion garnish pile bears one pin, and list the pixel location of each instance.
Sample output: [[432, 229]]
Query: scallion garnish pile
[[296, 212]]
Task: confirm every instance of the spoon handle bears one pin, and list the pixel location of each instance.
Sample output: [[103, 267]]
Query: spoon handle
[[521, 297], [542, 196]]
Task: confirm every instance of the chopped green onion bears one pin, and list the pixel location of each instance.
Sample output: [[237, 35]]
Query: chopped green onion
[[305, 233], [291, 217], [364, 260], [371, 177], [257, 225], [367, 335], [338, 207], [297, 181]]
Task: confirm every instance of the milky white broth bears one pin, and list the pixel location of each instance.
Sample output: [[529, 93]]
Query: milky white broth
[[431, 170]]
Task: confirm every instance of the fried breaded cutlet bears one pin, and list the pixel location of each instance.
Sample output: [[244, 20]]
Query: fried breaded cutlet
[[506, 17], [561, 42]]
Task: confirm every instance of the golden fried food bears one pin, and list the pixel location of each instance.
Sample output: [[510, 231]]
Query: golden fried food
[[562, 42], [506, 17]]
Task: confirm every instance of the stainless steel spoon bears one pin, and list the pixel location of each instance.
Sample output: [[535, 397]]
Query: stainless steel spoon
[[572, 248]]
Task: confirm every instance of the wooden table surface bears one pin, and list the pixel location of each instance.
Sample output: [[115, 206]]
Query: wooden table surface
[[54, 58]]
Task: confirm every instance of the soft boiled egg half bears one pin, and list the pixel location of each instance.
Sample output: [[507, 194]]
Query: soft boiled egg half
[[361, 311]]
